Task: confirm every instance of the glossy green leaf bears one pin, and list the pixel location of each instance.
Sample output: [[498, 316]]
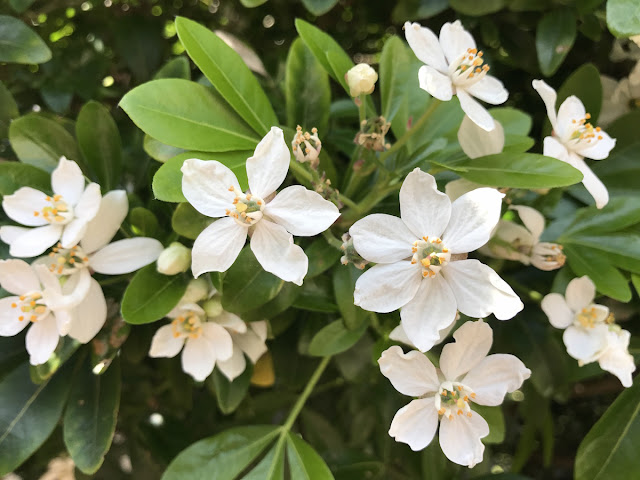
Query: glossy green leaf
[[143, 222], [20, 44], [335, 338], [8, 110], [252, 3], [228, 394], [321, 256], [228, 73], [308, 96], [91, 416], [66, 347], [186, 115], [495, 419], [222, 456], [175, 68], [285, 298], [623, 17], [316, 296], [188, 222], [40, 141], [100, 144], [271, 467], [159, 151], [476, 8], [555, 35], [304, 462], [344, 283], [610, 449], [585, 84], [394, 76], [151, 295], [417, 10], [28, 413], [618, 214], [622, 248], [247, 286], [14, 175], [319, 7], [513, 121]]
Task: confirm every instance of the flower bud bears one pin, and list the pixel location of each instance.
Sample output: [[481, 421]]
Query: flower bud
[[361, 80], [306, 147], [547, 256], [212, 307], [197, 290], [174, 259]]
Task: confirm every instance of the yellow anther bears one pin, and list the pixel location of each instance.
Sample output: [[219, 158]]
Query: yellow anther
[[57, 197], [241, 207], [444, 393], [20, 318], [35, 214], [32, 303], [33, 318], [61, 260], [59, 218], [40, 309], [459, 412], [47, 198], [469, 414], [473, 395], [466, 399], [426, 239], [176, 334], [441, 411], [425, 274], [587, 116], [22, 297], [72, 261], [13, 305], [450, 417], [425, 262]]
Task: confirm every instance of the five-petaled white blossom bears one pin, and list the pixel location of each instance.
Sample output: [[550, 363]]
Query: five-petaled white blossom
[[421, 260], [62, 217], [467, 375], [454, 66], [589, 332], [573, 138], [271, 219]]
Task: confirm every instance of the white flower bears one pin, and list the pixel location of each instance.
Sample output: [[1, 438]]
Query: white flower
[[174, 259], [574, 138], [271, 221], [618, 97], [454, 67], [421, 260], [38, 300], [62, 217], [361, 80], [466, 376], [589, 332]]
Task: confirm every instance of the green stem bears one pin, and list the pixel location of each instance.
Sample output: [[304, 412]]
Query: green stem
[[300, 170], [362, 109], [332, 240], [295, 411]]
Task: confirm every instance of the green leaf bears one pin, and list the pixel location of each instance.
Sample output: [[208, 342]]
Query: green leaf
[[229, 395], [270, 468], [635, 279], [555, 35], [622, 249], [91, 416], [319, 7], [247, 286], [20, 44], [228, 73], [394, 76], [623, 17], [516, 170], [495, 419], [20, 5], [316, 296], [143, 222], [186, 115], [252, 3], [99, 142], [66, 347], [344, 283], [624, 130], [175, 68], [335, 338], [151, 295], [159, 151], [285, 298], [8, 110], [617, 215], [14, 175], [322, 256], [40, 141], [610, 449], [222, 456], [585, 84], [188, 222], [28, 414], [476, 8], [308, 95], [304, 462]]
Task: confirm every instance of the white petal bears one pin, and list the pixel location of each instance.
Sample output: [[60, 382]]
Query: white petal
[[233, 367], [9, 233], [302, 212], [67, 180], [382, 238], [476, 112], [251, 344], [591, 182], [585, 344], [231, 321], [472, 344], [431, 310], [64, 318], [198, 358], [42, 340], [494, 377], [268, 167], [411, 374], [571, 109], [455, 40], [206, 185], [480, 291], [219, 339], [580, 293], [260, 328], [553, 148], [477, 142], [617, 359], [415, 424], [549, 97], [217, 246], [18, 277], [90, 315], [387, 287], [601, 149], [489, 89], [460, 438], [532, 219], [556, 308], [35, 241], [112, 212], [125, 256], [456, 188], [424, 209], [274, 248], [9, 323], [437, 84], [89, 203], [425, 45], [73, 293], [165, 344], [473, 217], [22, 205], [73, 232]]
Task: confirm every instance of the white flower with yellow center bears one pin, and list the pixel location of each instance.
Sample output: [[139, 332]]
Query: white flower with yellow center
[[421, 260], [38, 300], [589, 332], [270, 218], [454, 66], [62, 217], [573, 138], [445, 395]]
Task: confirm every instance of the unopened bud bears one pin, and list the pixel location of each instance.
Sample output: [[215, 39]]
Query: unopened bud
[[174, 259], [212, 307], [197, 290], [361, 80], [547, 256]]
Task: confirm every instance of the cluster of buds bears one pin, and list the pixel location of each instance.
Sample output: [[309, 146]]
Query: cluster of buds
[[324, 188], [372, 133], [350, 254], [306, 147]]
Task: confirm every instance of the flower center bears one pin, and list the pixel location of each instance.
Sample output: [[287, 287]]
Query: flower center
[[65, 261], [189, 324], [31, 307], [306, 146], [548, 254], [58, 213], [584, 134], [468, 69], [453, 399], [431, 254], [248, 208]]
